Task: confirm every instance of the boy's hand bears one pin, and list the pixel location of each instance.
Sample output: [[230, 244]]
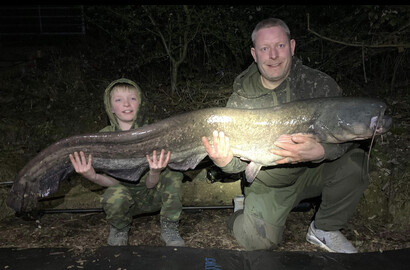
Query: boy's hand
[[81, 165], [157, 165]]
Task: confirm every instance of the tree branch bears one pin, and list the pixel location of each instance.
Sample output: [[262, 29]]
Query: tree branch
[[355, 44]]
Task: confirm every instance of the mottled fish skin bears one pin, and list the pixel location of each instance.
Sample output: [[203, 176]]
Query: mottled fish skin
[[251, 133]]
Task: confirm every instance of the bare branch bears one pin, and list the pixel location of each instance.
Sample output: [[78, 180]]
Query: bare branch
[[355, 44]]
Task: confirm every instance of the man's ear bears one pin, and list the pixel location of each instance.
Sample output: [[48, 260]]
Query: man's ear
[[292, 46], [253, 53]]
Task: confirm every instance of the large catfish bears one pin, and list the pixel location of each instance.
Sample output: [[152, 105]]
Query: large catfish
[[251, 133]]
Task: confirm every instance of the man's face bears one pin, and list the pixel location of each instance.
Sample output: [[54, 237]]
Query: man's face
[[273, 53]]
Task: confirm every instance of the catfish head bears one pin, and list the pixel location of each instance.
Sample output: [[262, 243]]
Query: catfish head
[[350, 120]]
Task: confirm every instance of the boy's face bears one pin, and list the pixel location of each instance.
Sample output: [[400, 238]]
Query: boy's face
[[124, 104]]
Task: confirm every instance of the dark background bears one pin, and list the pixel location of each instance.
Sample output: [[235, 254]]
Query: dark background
[[57, 60]]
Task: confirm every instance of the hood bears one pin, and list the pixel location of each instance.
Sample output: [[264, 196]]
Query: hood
[[113, 120]]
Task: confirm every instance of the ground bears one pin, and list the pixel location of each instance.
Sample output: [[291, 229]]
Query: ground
[[84, 233]]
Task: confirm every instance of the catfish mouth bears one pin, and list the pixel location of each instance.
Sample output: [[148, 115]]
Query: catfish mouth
[[380, 124], [359, 131]]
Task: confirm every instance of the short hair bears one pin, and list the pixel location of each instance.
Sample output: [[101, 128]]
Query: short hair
[[267, 23], [123, 87]]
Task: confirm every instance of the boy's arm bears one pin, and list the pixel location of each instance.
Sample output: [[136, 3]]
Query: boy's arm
[[84, 167], [155, 167], [153, 179], [104, 180]]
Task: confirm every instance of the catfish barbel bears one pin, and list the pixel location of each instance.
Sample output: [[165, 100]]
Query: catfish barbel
[[251, 135]]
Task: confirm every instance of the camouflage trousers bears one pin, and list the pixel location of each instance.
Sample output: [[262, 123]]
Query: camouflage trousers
[[123, 201], [341, 183]]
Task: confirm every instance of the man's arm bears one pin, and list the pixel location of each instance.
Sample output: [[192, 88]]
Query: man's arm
[[221, 154], [297, 148]]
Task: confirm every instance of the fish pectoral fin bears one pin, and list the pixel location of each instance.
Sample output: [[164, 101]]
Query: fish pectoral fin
[[251, 171]]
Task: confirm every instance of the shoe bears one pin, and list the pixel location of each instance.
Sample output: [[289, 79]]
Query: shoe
[[118, 237], [238, 202], [332, 241], [170, 234]]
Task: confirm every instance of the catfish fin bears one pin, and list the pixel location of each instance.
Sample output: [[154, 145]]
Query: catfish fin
[[132, 175], [251, 171], [189, 162]]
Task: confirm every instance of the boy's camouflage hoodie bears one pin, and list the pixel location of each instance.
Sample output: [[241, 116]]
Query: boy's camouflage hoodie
[[114, 126]]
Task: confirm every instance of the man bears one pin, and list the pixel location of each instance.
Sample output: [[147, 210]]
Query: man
[[308, 168]]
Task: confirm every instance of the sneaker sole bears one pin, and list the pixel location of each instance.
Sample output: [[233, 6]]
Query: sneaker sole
[[311, 238]]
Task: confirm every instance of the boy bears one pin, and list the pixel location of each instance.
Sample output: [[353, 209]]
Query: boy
[[158, 189]]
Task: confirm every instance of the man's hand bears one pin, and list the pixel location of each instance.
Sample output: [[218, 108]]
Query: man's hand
[[220, 151], [297, 148]]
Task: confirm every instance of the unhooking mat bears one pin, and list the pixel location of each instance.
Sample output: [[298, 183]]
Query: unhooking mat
[[169, 258]]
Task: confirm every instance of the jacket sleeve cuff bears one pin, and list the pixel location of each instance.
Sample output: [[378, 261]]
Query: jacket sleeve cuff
[[234, 166], [333, 151]]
